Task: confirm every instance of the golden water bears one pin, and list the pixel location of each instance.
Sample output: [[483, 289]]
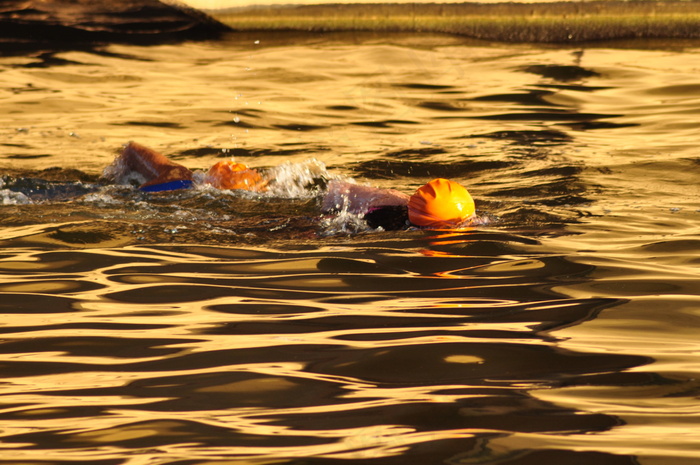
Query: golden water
[[215, 327]]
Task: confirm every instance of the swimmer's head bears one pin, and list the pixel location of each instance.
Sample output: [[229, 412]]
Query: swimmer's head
[[440, 204], [231, 175]]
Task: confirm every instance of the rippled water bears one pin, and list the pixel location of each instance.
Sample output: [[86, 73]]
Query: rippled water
[[211, 327]]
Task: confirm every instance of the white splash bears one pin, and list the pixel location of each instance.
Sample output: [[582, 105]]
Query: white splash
[[119, 173], [297, 180], [8, 197]]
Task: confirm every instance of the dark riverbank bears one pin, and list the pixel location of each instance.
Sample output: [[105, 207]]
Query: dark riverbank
[[28, 26]]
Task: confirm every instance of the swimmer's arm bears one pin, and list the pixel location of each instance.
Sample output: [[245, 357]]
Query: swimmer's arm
[[152, 166], [355, 198]]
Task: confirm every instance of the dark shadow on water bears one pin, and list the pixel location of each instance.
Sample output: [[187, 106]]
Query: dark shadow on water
[[563, 73]]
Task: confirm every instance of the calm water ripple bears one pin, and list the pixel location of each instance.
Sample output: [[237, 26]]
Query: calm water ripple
[[217, 327]]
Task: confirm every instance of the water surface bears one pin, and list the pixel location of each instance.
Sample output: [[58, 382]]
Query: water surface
[[212, 327]]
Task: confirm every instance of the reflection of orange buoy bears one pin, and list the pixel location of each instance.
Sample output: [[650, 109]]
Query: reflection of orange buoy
[[440, 204], [231, 175]]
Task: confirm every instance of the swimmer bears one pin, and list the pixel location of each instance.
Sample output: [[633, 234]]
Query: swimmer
[[439, 204], [156, 173]]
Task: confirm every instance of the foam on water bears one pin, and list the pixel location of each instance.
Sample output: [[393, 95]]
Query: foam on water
[[298, 179], [9, 197]]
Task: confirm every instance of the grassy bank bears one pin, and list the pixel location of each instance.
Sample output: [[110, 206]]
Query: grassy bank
[[534, 22]]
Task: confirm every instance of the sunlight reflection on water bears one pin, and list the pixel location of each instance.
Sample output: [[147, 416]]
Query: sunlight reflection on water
[[215, 327]]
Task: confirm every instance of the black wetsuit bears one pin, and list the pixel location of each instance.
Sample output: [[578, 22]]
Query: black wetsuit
[[389, 217]]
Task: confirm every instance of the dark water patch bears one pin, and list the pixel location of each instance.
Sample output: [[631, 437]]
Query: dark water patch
[[117, 348], [373, 124], [81, 236], [55, 285], [44, 189], [571, 172], [596, 125], [84, 234], [14, 146], [536, 191], [674, 90], [551, 268], [529, 457], [208, 151], [299, 127], [241, 123], [473, 363], [641, 286], [229, 152], [572, 87], [63, 262], [422, 86], [383, 124], [672, 247], [94, 326], [548, 115], [155, 124], [416, 153], [527, 137], [28, 157], [276, 354], [562, 73], [396, 165], [548, 222], [58, 173], [48, 60], [228, 390], [372, 323], [564, 200], [531, 97], [168, 293], [480, 413], [343, 107], [28, 303], [549, 316], [258, 308], [52, 414], [24, 369], [440, 106], [625, 379]]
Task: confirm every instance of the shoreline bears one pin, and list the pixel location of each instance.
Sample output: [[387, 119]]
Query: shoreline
[[506, 22]]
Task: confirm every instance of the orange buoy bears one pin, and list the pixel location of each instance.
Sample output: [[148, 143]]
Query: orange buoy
[[231, 175], [440, 204]]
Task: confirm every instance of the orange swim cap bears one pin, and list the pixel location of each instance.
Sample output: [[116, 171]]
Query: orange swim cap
[[440, 204], [231, 175]]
